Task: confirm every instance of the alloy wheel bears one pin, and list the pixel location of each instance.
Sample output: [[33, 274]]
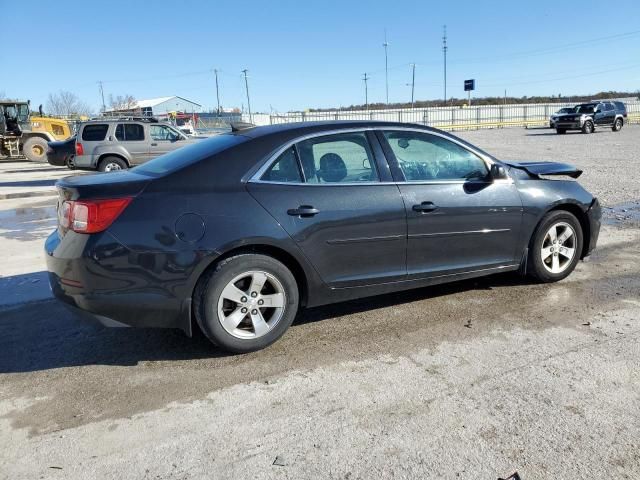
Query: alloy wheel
[[251, 304], [558, 247], [112, 166]]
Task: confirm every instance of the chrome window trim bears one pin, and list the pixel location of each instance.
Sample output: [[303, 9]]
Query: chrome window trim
[[256, 177]]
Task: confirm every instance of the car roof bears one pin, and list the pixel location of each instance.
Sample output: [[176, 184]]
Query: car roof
[[300, 128]]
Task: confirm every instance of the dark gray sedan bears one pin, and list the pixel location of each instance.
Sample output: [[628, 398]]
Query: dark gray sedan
[[234, 234]]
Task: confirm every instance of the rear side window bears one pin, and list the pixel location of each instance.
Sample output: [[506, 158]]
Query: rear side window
[[340, 158], [284, 169], [94, 132], [620, 106], [128, 132]]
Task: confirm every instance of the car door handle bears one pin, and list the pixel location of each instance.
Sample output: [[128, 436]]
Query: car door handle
[[425, 207], [303, 211], [154, 144]]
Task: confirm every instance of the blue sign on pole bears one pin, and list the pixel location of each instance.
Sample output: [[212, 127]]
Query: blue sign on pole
[[469, 85]]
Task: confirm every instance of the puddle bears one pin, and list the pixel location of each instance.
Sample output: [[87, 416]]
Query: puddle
[[624, 213]]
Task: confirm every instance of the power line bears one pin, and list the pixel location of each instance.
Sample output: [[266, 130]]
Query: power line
[[444, 51], [386, 64], [366, 90]]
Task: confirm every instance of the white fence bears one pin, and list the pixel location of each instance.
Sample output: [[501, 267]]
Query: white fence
[[449, 118]]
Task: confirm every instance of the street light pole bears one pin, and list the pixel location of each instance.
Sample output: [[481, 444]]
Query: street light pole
[[413, 82], [102, 95], [246, 86], [217, 91]]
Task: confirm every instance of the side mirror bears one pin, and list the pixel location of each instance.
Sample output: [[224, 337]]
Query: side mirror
[[498, 171]]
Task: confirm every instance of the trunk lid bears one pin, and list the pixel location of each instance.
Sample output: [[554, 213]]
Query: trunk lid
[[110, 185]]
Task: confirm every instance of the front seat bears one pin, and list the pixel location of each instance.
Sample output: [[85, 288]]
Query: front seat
[[332, 168]]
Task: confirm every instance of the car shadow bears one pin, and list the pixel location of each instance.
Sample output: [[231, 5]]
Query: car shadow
[[42, 335], [570, 132], [30, 183]]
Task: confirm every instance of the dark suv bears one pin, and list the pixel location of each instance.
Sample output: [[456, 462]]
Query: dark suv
[[587, 116]]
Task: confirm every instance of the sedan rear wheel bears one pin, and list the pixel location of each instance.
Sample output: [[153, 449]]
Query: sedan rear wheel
[[247, 302], [556, 246]]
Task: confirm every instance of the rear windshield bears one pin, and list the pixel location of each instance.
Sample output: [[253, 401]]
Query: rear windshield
[[190, 154], [94, 132]]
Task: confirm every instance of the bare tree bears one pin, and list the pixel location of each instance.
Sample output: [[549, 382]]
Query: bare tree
[[66, 103], [122, 102]]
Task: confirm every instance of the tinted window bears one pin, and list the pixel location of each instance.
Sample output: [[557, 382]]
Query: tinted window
[[608, 107], [284, 169], [619, 106], [94, 132], [429, 157], [129, 132], [190, 154], [162, 132], [341, 158]]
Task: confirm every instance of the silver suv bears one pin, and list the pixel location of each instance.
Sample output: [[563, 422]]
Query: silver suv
[[117, 144]]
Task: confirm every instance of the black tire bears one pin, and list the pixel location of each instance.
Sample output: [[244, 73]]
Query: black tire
[[207, 298], [111, 164], [35, 149], [587, 127], [560, 131], [538, 268], [70, 162], [617, 125]]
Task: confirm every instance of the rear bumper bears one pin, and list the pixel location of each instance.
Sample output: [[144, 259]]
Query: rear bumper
[[105, 283], [594, 216]]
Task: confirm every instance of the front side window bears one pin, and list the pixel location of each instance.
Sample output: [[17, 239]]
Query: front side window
[[94, 132], [422, 156], [162, 132], [129, 132], [284, 169], [339, 158]]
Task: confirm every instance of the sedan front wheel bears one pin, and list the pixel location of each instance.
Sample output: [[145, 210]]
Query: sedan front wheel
[[247, 302], [556, 246]]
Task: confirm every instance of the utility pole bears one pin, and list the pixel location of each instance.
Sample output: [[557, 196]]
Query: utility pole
[[444, 51], [102, 95], [413, 81], [386, 64], [246, 86], [215, 70], [366, 91]]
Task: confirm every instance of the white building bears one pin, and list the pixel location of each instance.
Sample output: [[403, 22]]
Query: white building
[[159, 106]]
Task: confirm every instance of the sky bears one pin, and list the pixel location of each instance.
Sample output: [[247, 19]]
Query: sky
[[310, 54]]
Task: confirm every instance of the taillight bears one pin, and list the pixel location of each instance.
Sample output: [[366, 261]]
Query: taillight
[[91, 216], [79, 149]]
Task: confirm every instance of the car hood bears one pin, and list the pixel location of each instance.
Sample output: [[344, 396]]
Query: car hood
[[546, 168]]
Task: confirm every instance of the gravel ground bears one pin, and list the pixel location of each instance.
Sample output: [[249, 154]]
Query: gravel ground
[[611, 161], [476, 379]]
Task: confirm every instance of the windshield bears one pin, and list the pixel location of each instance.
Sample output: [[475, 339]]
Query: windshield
[[585, 108], [189, 155]]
